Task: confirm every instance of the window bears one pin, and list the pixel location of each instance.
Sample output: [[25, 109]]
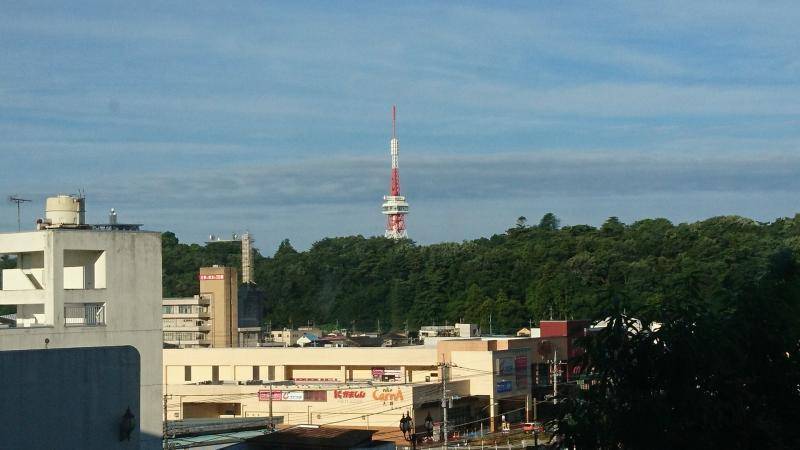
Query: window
[[271, 373], [214, 373], [256, 374], [187, 373], [84, 314]]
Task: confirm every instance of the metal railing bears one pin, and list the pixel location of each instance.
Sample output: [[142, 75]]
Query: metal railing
[[184, 336], [85, 314]]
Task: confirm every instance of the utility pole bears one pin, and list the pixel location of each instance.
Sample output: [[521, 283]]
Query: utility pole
[[18, 201], [444, 403], [271, 422], [555, 375], [164, 426]]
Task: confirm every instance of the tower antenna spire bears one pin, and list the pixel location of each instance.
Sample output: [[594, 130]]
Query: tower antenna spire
[[395, 206]]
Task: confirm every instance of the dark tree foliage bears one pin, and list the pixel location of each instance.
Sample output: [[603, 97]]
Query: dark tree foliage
[[526, 273], [549, 222], [713, 375]]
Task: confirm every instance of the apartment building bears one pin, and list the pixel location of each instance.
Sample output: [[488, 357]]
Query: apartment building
[[80, 353], [187, 321]]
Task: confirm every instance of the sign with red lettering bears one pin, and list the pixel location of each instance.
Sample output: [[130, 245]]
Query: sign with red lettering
[[338, 393], [281, 396], [215, 276], [386, 394]]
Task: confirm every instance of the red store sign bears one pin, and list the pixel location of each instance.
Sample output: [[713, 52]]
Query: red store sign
[[348, 394]]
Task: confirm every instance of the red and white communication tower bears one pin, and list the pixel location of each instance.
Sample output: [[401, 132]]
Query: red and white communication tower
[[394, 205]]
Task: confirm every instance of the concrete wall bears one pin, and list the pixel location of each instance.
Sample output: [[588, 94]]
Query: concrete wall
[[309, 356], [69, 398]]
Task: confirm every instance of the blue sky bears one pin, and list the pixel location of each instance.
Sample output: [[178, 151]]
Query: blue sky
[[218, 117]]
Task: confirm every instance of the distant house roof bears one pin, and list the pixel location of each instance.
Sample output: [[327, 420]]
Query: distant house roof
[[394, 335], [365, 341]]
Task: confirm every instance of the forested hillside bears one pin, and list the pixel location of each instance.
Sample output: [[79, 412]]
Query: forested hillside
[[527, 273]]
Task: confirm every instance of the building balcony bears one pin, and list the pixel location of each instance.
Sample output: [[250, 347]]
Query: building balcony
[[197, 300], [182, 338], [193, 343], [84, 314], [205, 328], [192, 315], [23, 297]]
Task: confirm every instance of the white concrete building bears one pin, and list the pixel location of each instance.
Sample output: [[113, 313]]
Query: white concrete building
[[82, 288], [187, 321], [287, 336]]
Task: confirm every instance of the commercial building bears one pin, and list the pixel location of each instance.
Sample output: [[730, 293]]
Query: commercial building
[[81, 355], [463, 330], [217, 316], [221, 285], [370, 387]]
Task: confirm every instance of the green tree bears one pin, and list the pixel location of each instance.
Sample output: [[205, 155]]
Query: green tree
[[549, 222]]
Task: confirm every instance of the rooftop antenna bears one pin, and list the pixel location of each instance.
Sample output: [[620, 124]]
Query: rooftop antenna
[[19, 202]]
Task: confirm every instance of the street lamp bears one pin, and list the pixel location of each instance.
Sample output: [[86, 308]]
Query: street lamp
[[127, 425]]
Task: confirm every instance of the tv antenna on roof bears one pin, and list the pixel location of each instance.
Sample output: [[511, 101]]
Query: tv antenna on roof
[[18, 201]]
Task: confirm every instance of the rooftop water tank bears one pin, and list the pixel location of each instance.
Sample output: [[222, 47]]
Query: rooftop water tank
[[65, 210]]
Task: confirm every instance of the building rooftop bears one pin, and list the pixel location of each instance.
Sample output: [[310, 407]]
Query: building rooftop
[[311, 437]]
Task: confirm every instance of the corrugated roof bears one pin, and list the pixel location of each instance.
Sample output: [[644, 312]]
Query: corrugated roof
[[321, 438]]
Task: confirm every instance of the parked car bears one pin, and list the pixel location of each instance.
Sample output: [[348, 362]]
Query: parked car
[[533, 427]]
